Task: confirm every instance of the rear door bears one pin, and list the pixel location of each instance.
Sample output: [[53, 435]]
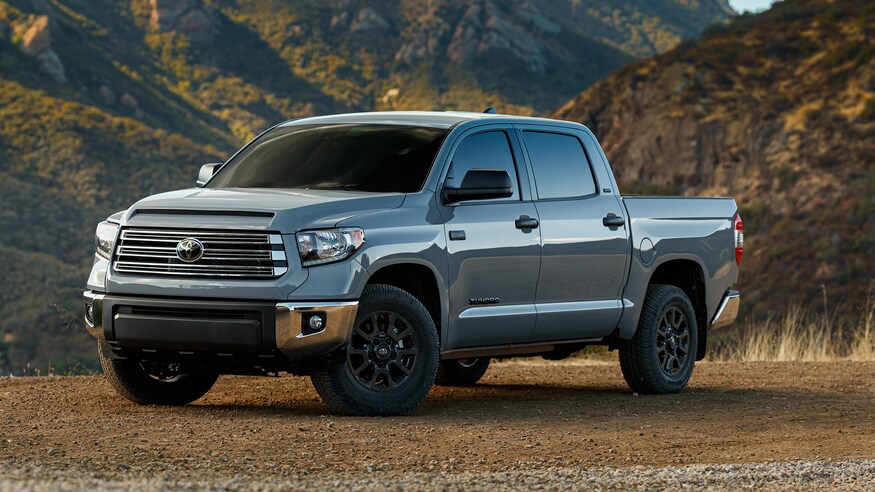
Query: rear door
[[583, 261], [493, 264]]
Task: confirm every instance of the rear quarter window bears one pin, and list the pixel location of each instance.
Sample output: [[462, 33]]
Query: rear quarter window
[[560, 165]]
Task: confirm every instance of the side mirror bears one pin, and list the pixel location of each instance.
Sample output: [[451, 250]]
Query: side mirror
[[206, 172], [480, 184]]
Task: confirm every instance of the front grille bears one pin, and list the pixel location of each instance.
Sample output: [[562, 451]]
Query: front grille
[[200, 313], [225, 254]]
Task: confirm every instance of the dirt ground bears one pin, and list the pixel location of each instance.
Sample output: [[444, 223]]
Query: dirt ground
[[523, 417]]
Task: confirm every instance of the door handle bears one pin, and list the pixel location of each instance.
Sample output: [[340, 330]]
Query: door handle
[[526, 222], [613, 220]]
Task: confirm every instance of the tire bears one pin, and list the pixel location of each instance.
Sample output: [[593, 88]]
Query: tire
[[132, 380], [390, 362], [654, 361], [462, 372]]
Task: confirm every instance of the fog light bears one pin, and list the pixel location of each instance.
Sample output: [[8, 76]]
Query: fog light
[[313, 323]]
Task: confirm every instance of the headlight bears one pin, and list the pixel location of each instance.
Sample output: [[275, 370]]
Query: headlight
[[325, 246], [104, 238]]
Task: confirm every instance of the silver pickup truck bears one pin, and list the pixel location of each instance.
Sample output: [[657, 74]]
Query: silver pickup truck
[[379, 253]]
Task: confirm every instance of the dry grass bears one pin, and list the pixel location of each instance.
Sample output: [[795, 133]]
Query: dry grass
[[799, 337]]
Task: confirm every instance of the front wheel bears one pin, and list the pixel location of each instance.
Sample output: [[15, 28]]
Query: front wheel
[[390, 362], [153, 383], [660, 357]]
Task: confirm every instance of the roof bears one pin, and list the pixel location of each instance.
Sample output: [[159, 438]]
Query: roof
[[434, 119]]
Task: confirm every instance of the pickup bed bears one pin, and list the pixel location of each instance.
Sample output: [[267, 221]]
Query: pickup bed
[[379, 253]]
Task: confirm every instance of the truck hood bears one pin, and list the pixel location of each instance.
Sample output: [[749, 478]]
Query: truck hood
[[285, 211]]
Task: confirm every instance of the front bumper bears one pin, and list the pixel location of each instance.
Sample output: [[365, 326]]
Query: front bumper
[[727, 312], [215, 326]]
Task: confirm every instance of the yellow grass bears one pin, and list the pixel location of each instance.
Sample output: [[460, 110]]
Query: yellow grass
[[799, 337]]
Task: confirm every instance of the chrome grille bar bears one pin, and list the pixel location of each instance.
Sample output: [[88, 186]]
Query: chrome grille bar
[[225, 254]]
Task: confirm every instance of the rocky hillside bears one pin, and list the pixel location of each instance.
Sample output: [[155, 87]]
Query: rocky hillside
[[104, 101], [777, 110]]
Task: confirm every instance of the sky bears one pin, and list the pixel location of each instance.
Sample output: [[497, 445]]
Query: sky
[[755, 5]]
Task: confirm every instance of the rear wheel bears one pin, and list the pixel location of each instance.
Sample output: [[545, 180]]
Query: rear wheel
[[462, 372], [390, 363], [660, 357], [153, 383]]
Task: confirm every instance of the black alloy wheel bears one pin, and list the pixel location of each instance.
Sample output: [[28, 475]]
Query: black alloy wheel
[[673, 341], [382, 351], [661, 356], [390, 362]]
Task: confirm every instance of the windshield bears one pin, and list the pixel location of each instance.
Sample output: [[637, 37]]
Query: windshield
[[376, 158]]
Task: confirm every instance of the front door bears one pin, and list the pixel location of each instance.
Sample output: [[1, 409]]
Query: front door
[[493, 263]]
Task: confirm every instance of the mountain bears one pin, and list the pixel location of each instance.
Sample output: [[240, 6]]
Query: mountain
[[105, 101], [778, 111]]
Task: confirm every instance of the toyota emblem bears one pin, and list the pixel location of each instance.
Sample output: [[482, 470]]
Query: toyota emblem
[[189, 250]]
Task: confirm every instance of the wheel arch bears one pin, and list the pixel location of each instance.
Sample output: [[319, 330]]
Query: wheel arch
[[683, 270], [687, 275], [422, 280]]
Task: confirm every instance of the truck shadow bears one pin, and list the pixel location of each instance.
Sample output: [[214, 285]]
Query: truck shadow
[[491, 402], [534, 401]]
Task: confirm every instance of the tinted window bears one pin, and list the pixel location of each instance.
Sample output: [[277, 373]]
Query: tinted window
[[378, 158], [487, 150], [560, 165]]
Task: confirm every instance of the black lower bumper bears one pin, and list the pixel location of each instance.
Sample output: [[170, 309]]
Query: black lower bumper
[[217, 327], [188, 325]]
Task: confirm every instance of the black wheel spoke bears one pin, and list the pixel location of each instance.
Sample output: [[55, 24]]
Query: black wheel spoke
[[364, 365], [367, 336], [388, 375], [669, 364], [383, 351], [372, 381], [672, 341], [401, 334], [403, 368], [357, 352]]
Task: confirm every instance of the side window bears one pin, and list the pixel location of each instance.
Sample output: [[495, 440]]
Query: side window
[[487, 150], [560, 165]]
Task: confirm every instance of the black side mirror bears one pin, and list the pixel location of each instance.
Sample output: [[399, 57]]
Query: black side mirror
[[480, 184], [206, 172]]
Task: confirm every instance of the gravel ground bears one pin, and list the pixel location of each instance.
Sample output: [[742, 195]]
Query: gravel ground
[[525, 426], [799, 475]]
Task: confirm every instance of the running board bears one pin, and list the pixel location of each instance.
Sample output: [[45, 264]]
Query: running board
[[513, 350]]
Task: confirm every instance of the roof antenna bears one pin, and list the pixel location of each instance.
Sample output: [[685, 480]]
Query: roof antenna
[[490, 110]]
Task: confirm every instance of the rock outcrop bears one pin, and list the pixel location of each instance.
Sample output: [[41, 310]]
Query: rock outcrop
[[369, 20], [191, 18], [107, 94], [483, 28], [131, 103], [34, 34], [35, 40]]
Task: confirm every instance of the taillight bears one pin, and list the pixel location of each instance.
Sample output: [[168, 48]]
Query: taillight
[[739, 239]]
